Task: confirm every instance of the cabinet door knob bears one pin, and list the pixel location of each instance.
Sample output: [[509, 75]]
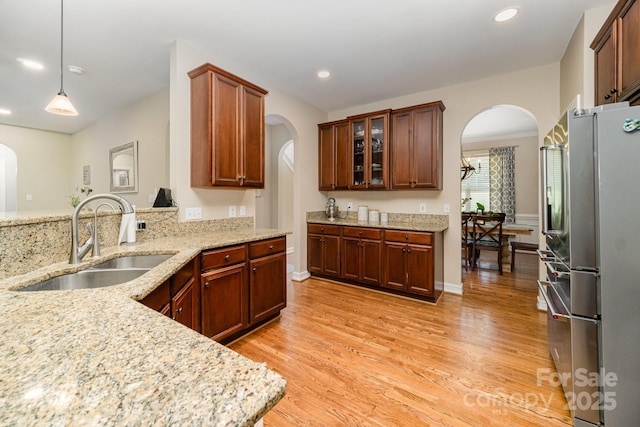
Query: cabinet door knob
[[227, 257], [408, 251], [178, 311], [271, 247], [404, 250], [406, 237], [206, 284], [607, 96], [254, 269], [614, 90], [359, 233]]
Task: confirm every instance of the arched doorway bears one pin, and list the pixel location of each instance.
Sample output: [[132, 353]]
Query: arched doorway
[[274, 204], [8, 179], [494, 129]]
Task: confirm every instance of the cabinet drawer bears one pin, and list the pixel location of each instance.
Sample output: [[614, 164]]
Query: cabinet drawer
[[267, 247], [365, 233], [158, 298], [223, 257], [409, 237], [324, 229], [182, 277]]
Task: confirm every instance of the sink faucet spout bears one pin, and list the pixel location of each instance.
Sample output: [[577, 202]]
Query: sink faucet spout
[[76, 255]]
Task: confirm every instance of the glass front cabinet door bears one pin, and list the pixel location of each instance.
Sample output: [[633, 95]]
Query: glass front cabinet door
[[369, 150]]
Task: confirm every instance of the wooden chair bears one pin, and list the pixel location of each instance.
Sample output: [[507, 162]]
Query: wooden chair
[[466, 241], [487, 235]]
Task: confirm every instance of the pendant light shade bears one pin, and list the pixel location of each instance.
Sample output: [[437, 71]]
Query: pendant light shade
[[60, 103]]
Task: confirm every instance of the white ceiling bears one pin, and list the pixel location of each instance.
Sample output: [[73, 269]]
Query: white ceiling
[[375, 49]]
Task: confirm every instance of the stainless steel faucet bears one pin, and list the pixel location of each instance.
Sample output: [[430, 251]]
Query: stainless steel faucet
[[78, 252]]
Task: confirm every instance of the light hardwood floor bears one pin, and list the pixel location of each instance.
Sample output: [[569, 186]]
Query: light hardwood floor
[[354, 357]]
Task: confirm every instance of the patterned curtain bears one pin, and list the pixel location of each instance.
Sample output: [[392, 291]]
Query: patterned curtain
[[502, 185]]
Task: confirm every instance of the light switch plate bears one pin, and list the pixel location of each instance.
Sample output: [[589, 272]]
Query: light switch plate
[[447, 208], [243, 210], [232, 211]]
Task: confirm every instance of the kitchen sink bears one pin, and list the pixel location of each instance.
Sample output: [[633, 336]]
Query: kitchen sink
[[133, 261], [113, 272], [87, 279]]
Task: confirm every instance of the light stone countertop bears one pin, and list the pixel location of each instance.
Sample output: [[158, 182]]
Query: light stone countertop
[[99, 357], [407, 222]]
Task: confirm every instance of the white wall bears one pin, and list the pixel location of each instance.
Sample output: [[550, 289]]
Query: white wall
[[44, 162], [145, 121], [535, 90], [300, 119]]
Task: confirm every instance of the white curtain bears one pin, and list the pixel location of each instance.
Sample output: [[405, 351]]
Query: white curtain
[[502, 193]]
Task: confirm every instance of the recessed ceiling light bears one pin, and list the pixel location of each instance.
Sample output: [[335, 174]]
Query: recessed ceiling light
[[29, 63], [4, 111], [506, 14], [323, 74]]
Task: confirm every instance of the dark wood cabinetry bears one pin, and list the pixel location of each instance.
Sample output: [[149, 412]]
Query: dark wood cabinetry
[[227, 130], [617, 55], [333, 156], [362, 254], [225, 298], [242, 287], [323, 249], [387, 150], [369, 150], [409, 263], [268, 271], [416, 148], [178, 297]]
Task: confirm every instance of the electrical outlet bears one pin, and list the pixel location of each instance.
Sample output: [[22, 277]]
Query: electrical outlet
[[447, 208], [243, 210], [29, 197], [151, 198], [349, 205], [423, 208], [232, 211], [193, 213]]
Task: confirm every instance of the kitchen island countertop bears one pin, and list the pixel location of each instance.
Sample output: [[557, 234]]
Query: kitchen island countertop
[[99, 357]]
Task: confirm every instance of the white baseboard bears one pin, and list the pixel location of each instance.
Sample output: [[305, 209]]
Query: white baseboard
[[453, 288], [299, 276], [542, 304]]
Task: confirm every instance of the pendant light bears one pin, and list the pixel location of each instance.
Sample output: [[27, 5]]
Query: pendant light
[[60, 103]]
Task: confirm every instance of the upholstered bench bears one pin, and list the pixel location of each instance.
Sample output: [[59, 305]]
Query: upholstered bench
[[521, 246]]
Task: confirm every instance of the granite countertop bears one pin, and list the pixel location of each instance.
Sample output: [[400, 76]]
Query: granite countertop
[[99, 357], [408, 222]]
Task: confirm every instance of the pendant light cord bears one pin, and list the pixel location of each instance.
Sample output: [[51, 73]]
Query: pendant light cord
[[61, 45]]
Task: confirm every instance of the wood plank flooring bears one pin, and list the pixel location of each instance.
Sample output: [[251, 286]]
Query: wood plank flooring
[[354, 357]]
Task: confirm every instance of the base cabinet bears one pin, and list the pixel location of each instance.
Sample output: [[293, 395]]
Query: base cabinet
[[242, 287], [224, 302], [362, 255], [409, 263], [179, 297], [267, 295], [323, 249]]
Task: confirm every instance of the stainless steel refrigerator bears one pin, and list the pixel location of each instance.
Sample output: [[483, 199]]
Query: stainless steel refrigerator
[[591, 221]]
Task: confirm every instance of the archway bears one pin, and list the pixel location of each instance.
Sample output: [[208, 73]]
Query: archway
[[502, 126]]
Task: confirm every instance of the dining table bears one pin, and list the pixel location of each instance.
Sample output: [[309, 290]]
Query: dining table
[[509, 232]]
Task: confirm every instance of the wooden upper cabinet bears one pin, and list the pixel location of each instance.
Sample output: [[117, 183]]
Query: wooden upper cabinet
[[227, 130], [617, 55], [333, 156], [369, 148], [416, 147]]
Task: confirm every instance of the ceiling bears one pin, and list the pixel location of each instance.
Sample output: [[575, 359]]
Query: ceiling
[[375, 49]]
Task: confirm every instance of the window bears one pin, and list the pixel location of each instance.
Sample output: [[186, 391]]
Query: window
[[475, 188]]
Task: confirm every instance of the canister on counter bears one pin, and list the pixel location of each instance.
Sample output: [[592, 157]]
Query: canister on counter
[[384, 217], [374, 215], [363, 213]]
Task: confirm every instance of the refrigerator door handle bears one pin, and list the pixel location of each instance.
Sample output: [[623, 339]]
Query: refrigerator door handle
[[552, 309]]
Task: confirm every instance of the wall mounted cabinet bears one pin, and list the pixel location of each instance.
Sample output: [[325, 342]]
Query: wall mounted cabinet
[[416, 147], [387, 150], [227, 130], [369, 150], [617, 55], [333, 156]]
